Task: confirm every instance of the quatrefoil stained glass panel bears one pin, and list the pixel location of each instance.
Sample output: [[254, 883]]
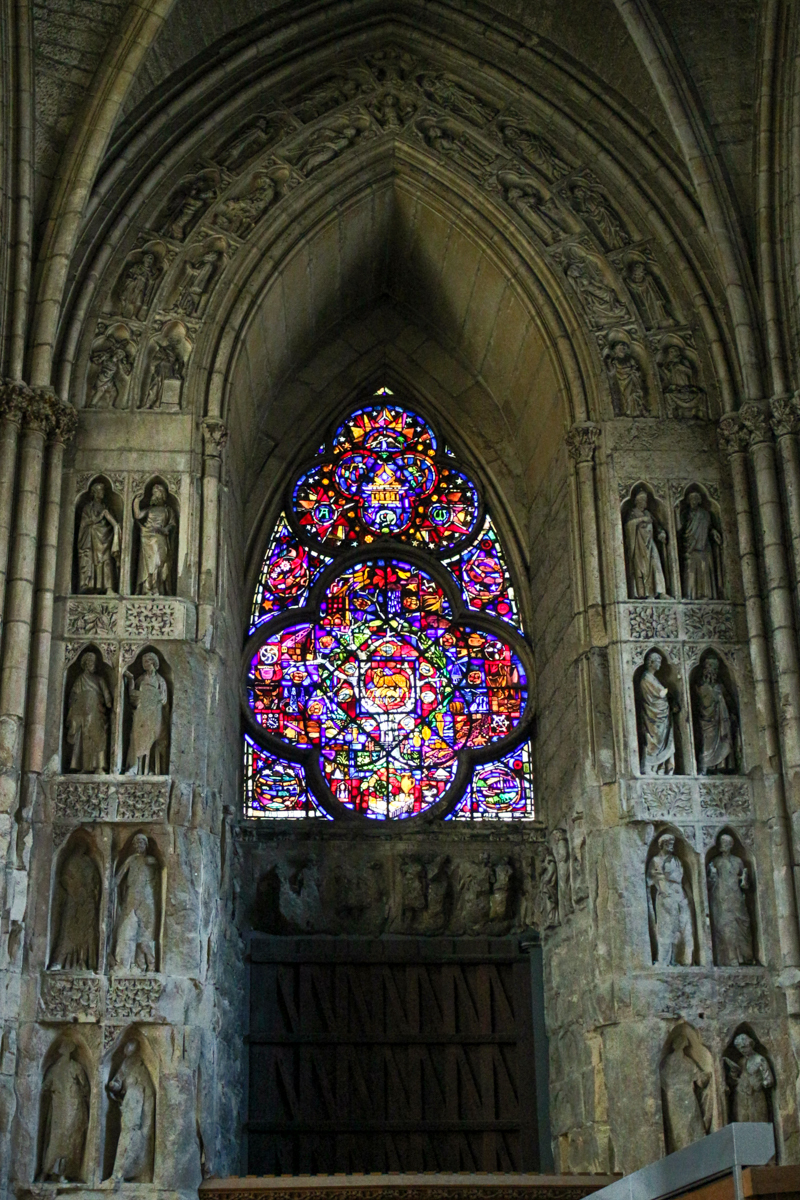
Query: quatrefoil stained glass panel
[[386, 675]]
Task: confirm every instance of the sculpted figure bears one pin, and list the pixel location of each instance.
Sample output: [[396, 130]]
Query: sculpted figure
[[197, 277], [132, 1089], [538, 153], [687, 1097], [590, 204], [452, 142], [716, 751], [147, 753], [328, 143], [157, 527], [549, 892], [456, 99], [668, 906], [65, 1097], [76, 941], [167, 367], [98, 544], [625, 370], [250, 141], [749, 1082], [599, 298], [188, 202], [137, 886], [476, 890], [500, 901], [652, 302], [641, 550], [531, 202], [677, 365], [87, 719], [728, 885], [392, 111], [702, 574], [111, 359], [138, 283], [655, 711], [561, 856]]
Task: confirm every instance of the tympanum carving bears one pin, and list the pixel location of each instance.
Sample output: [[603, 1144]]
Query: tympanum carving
[[137, 897], [589, 276], [730, 888], [532, 148], [157, 529], [148, 698], [679, 368], [533, 203], [628, 373], [89, 707], [65, 1108], [131, 1123], [97, 542], [589, 202], [247, 204], [669, 905], [75, 909]]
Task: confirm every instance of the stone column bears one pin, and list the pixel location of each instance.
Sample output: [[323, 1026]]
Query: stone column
[[12, 404], [65, 423], [785, 420], [734, 440], [38, 419], [581, 443], [215, 435]]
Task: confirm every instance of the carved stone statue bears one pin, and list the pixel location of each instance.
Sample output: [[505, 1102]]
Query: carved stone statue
[[135, 930], [476, 890], [240, 212], [714, 712], [668, 906], [679, 367], [451, 141], [625, 370], [655, 711], [702, 574], [249, 141], [188, 202], [138, 280], [199, 273], [538, 153], [87, 719], [65, 1105], [149, 744], [79, 889], [111, 363], [649, 295], [534, 205], [327, 144], [167, 368], [98, 544], [749, 1081], [549, 892], [728, 885], [642, 535], [501, 898], [588, 202], [157, 527], [686, 1090], [132, 1089], [585, 274], [561, 856]]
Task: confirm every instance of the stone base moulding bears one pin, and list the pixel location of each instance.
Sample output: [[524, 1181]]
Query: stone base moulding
[[428, 1186]]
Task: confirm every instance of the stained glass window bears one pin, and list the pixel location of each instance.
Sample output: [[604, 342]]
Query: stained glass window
[[386, 675]]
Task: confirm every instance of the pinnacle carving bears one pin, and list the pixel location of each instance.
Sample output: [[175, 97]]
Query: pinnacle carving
[[582, 441]]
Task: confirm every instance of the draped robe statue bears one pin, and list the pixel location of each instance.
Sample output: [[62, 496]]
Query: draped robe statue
[[749, 1081], [137, 897], [655, 712], [65, 1095], [686, 1091], [644, 560], [701, 566], [150, 729], [156, 530], [98, 544], [77, 940], [132, 1088], [87, 719], [728, 884], [716, 749], [668, 906]]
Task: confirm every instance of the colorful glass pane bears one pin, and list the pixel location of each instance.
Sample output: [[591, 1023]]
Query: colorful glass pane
[[501, 790], [383, 478], [388, 688], [274, 787], [484, 577], [286, 575]]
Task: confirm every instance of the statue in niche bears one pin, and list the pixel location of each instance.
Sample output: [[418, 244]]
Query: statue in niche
[[656, 709], [451, 141], [89, 704], [749, 1081], [392, 111], [111, 362], [137, 887], [688, 1094], [731, 926], [139, 279], [538, 153], [501, 898], [98, 544], [624, 362], [79, 891], [643, 536], [679, 368], [199, 273], [250, 141], [585, 274], [715, 722], [239, 213], [533, 204], [448, 94], [65, 1113], [590, 204], [668, 906], [561, 858], [188, 202], [157, 529], [329, 143], [149, 698], [700, 543], [132, 1089], [336, 90], [648, 292], [168, 359]]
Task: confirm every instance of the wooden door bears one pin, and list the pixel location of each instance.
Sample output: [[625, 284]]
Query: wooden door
[[390, 1055]]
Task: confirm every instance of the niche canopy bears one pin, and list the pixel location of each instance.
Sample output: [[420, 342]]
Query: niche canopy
[[386, 676]]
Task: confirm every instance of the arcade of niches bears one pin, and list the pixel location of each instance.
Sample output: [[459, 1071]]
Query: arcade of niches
[[399, 555]]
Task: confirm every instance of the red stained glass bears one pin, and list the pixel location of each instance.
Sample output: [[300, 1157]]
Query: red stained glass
[[484, 577], [286, 574]]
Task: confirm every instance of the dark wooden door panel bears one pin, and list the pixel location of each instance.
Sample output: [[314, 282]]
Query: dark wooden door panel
[[423, 1062]]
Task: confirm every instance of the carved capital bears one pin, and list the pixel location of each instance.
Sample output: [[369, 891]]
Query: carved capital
[[40, 410], [14, 396], [755, 419], [65, 422], [733, 437], [215, 435], [785, 415], [582, 442]]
